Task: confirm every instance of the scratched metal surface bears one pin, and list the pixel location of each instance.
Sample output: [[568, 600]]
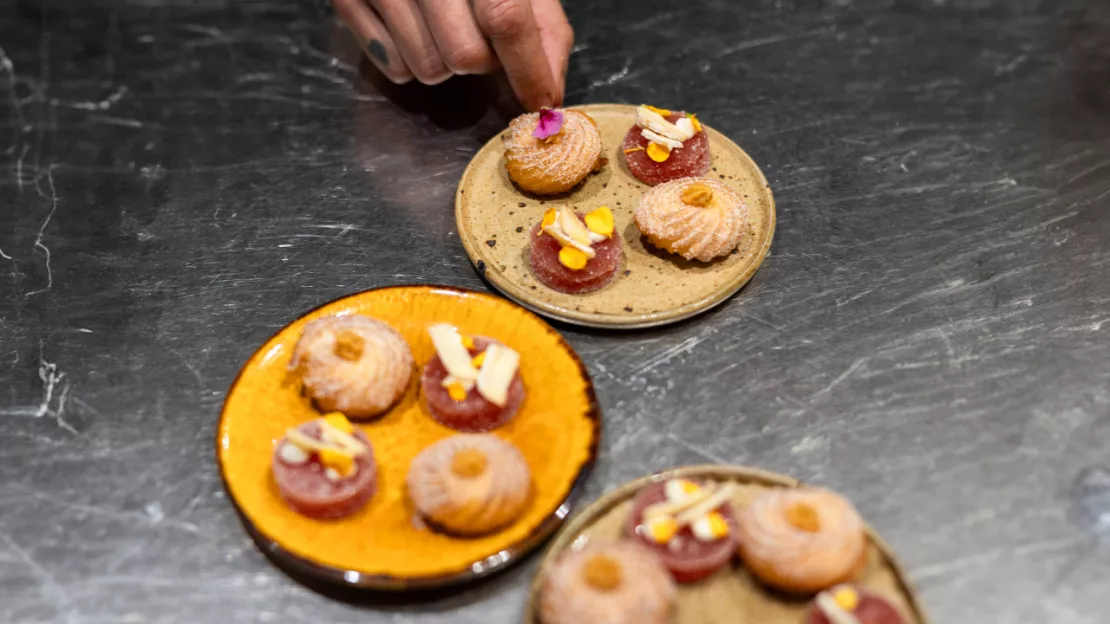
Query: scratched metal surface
[[930, 335]]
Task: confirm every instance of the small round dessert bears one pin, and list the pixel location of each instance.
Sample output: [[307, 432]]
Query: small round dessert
[[688, 558], [470, 484], [314, 489], [696, 218], [611, 582], [692, 159], [475, 413], [557, 163], [353, 364], [597, 274], [847, 603], [802, 541]]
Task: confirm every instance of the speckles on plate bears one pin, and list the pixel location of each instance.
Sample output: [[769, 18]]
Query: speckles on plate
[[658, 287]]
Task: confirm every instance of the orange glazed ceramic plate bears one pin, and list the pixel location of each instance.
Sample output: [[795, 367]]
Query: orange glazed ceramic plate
[[652, 287], [731, 595], [382, 546]]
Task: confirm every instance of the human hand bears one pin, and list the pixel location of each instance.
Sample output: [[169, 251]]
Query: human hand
[[433, 39]]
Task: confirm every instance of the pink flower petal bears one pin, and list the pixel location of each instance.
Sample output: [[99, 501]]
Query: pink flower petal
[[551, 122]]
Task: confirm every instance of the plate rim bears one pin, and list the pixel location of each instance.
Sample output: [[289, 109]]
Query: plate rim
[[353, 579], [626, 490], [586, 319]]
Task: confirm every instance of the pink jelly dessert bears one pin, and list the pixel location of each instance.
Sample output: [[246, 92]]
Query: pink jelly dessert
[[865, 606], [692, 159], [475, 413], [688, 558], [597, 273], [310, 489]]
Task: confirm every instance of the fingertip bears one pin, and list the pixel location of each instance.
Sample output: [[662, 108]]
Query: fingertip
[[397, 79], [431, 70], [541, 100], [394, 70]]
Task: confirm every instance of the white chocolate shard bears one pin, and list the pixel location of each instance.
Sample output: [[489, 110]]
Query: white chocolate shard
[[655, 137], [452, 352], [498, 371]]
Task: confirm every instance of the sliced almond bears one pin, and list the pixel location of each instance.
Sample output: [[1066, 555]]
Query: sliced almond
[[497, 374], [671, 508], [573, 226], [656, 123], [452, 352], [342, 438], [655, 137], [715, 500], [558, 234], [308, 443]]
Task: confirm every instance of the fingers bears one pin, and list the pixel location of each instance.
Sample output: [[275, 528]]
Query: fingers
[[373, 38], [414, 41], [557, 38], [461, 44], [511, 28], [431, 39]]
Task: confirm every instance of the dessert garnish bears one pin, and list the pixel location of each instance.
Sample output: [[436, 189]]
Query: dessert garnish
[[577, 236], [697, 194], [335, 447], [664, 136], [687, 504], [490, 371], [550, 123], [602, 572], [838, 603]]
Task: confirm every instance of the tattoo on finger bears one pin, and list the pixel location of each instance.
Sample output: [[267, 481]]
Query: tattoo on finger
[[377, 52]]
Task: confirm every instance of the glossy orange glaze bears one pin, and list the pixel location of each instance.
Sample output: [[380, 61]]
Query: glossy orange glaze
[[553, 430]]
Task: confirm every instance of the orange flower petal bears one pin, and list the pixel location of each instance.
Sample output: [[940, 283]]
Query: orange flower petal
[[572, 258], [657, 152]]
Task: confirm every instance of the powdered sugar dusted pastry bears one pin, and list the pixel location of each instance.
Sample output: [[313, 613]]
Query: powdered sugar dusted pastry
[[352, 364], [697, 218], [846, 604], [470, 484], [610, 582], [802, 540], [552, 151]]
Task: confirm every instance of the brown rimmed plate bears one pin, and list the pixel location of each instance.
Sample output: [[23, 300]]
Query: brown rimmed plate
[[730, 595], [652, 287], [383, 547]]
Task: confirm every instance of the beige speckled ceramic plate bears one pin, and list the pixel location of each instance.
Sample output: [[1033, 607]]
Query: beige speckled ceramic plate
[[731, 595], [653, 287]]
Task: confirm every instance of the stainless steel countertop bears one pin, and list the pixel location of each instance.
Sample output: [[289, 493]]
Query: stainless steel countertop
[[930, 334]]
